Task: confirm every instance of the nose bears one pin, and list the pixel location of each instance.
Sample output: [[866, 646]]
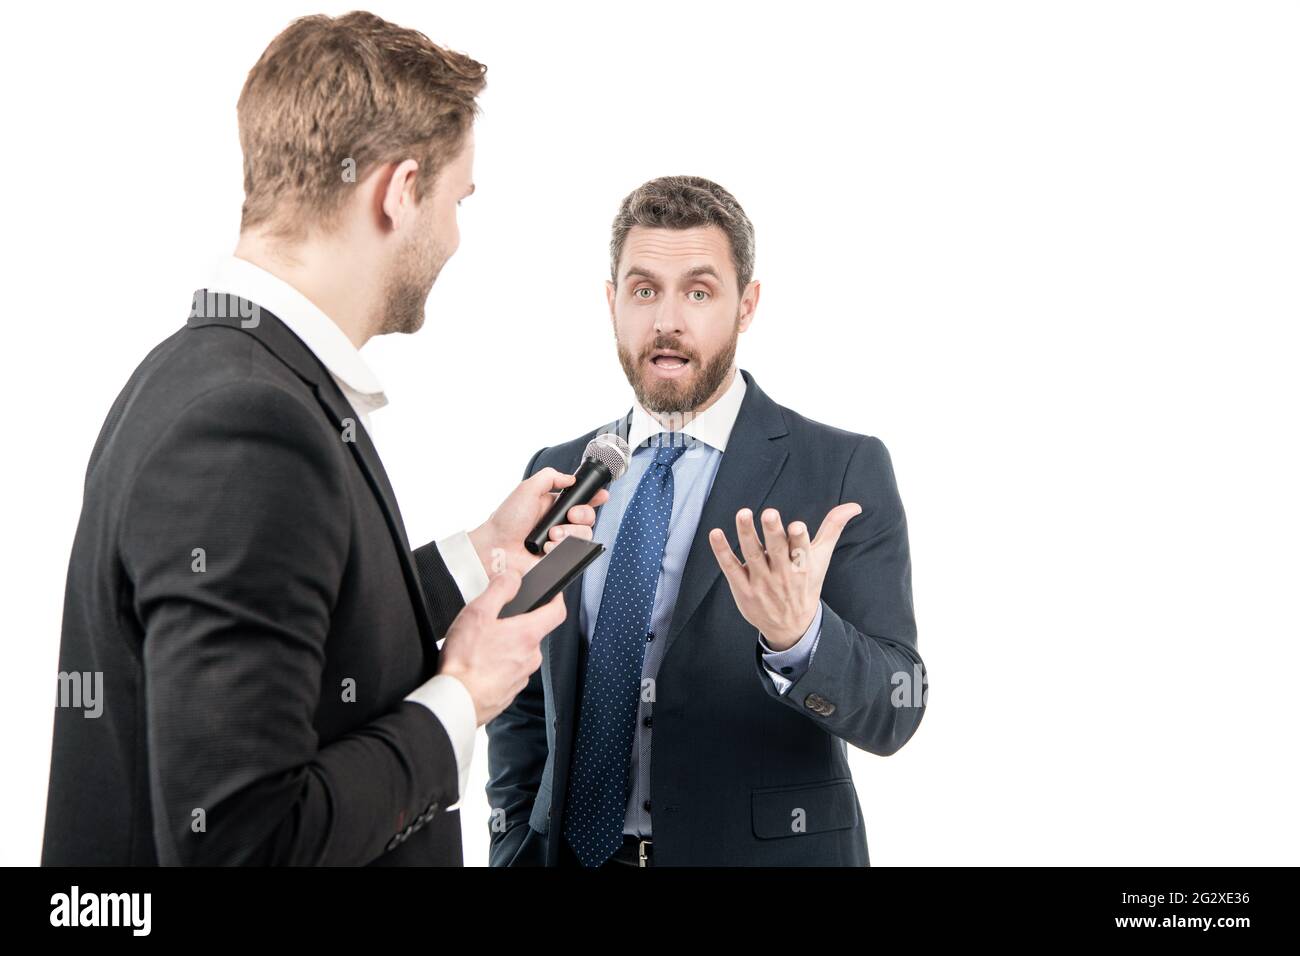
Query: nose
[[668, 319]]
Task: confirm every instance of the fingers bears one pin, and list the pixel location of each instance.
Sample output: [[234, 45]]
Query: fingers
[[750, 546], [582, 514], [800, 546], [727, 560], [834, 522], [774, 537], [562, 531], [582, 519]]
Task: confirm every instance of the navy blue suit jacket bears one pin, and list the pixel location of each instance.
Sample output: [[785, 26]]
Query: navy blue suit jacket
[[741, 775]]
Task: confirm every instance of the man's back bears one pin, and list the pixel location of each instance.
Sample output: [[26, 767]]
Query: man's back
[[236, 591]]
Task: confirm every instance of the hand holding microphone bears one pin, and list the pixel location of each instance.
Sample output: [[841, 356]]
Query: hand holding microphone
[[534, 518], [493, 657], [606, 458]]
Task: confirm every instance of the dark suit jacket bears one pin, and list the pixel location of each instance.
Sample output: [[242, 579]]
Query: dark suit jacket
[[735, 764], [226, 736]]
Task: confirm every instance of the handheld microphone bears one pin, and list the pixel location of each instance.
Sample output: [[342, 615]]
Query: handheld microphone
[[606, 458]]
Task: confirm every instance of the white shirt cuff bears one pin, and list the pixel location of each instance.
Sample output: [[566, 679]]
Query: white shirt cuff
[[781, 683], [462, 561], [452, 704]]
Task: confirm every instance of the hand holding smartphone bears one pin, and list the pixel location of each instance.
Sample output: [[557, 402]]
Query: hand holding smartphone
[[552, 574]]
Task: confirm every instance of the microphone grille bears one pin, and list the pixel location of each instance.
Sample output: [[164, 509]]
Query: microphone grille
[[611, 451]]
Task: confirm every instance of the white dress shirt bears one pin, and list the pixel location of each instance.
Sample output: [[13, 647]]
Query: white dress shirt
[[443, 694]]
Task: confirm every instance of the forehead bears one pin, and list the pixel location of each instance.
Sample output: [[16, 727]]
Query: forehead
[[671, 252]]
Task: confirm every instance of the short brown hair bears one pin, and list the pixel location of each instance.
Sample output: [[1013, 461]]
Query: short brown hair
[[338, 95], [680, 202]]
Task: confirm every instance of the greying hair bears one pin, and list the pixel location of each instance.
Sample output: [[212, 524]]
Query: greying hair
[[680, 202]]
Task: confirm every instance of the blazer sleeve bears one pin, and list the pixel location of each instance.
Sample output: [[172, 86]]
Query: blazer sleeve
[[866, 682], [235, 645], [517, 749]]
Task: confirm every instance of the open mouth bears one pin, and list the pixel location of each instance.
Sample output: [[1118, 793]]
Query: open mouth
[[666, 360]]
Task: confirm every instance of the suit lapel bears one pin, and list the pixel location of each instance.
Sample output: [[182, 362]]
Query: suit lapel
[[276, 337], [748, 469]]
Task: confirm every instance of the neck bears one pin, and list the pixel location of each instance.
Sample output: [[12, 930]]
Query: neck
[[312, 267]]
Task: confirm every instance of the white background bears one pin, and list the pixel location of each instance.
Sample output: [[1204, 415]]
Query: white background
[[1047, 252]]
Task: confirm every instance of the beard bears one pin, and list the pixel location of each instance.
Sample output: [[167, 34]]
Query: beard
[[677, 396], [408, 285]]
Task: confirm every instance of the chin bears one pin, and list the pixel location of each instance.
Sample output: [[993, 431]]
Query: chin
[[667, 397]]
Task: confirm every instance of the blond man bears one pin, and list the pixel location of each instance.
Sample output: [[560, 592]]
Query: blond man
[[250, 669]]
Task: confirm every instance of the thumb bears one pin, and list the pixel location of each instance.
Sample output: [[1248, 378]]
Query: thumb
[[833, 524], [503, 586], [550, 479]]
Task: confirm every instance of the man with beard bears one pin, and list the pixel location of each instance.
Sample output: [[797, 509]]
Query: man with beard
[[244, 610], [697, 710]]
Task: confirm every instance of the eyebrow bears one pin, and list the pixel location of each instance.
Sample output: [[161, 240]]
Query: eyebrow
[[692, 273]]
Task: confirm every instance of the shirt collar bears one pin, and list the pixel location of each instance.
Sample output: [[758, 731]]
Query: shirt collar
[[712, 426], [304, 318]]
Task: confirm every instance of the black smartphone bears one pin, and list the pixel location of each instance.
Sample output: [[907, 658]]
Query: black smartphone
[[552, 574]]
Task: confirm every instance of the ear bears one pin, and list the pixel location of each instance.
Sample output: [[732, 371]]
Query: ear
[[748, 304], [397, 195], [610, 292]]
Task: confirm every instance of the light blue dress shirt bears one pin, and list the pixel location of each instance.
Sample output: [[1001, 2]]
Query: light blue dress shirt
[[706, 437]]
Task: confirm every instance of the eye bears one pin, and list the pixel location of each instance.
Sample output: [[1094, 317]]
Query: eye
[[637, 292], [698, 295]]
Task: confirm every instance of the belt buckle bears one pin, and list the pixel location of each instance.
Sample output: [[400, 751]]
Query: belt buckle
[[643, 856]]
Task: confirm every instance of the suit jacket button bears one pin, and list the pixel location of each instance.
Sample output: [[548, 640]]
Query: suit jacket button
[[819, 705]]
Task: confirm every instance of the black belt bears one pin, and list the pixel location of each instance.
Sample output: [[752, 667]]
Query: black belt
[[635, 851]]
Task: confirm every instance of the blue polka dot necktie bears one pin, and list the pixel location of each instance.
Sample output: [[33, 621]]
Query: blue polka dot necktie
[[598, 783]]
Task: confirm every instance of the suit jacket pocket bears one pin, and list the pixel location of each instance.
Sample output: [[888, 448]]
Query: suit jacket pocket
[[793, 811]]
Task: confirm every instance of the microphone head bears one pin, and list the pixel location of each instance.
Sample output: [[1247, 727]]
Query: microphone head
[[610, 450]]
